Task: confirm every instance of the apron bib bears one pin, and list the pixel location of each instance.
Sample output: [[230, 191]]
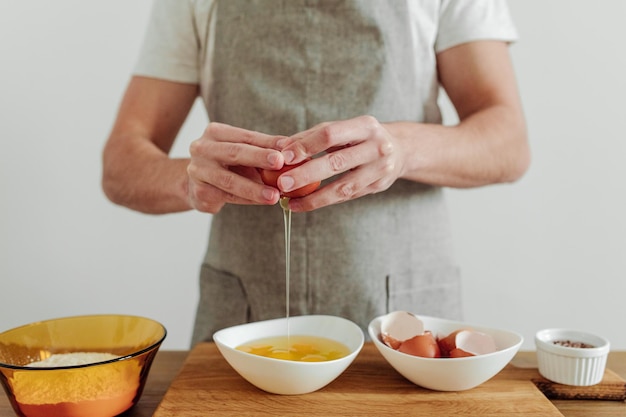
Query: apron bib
[[282, 66]]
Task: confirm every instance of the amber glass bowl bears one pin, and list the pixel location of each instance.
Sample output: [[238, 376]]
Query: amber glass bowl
[[105, 388]]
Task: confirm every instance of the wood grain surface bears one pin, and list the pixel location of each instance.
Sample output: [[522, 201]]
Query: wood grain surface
[[168, 364], [207, 385]]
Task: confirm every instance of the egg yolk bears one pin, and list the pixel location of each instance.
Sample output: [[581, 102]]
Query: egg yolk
[[297, 348]]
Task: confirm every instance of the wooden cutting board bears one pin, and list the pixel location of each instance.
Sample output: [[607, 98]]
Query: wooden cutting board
[[207, 385]]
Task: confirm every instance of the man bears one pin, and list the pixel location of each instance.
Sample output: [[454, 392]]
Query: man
[[352, 84]]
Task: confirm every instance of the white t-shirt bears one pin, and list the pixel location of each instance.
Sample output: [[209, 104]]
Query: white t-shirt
[[178, 41]]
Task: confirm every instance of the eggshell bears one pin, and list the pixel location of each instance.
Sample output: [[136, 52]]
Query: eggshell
[[424, 345], [448, 343], [459, 353], [398, 326], [404, 331], [466, 342], [475, 343]]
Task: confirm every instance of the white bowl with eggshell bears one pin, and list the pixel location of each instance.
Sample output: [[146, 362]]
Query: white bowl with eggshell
[[449, 373], [288, 377]]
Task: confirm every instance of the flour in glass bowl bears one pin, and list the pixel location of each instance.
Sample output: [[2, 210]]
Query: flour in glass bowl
[[72, 359], [104, 390]]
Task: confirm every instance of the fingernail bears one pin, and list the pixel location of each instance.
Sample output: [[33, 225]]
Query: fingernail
[[268, 193], [272, 158], [286, 183], [289, 156], [281, 143]]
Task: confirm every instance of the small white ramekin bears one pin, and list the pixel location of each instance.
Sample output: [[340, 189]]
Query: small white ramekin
[[571, 365]]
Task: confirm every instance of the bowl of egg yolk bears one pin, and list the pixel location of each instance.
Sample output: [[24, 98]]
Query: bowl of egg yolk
[[93, 365], [292, 355], [462, 357]]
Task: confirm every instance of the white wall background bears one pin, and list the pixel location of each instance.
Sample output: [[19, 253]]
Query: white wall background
[[547, 251]]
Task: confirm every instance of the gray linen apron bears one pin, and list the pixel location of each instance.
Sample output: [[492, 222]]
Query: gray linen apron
[[282, 66]]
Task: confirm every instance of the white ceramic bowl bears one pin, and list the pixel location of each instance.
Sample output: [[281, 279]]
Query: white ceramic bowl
[[571, 365], [449, 374], [283, 376]]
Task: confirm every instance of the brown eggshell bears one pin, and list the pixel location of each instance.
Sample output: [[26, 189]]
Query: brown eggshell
[[459, 353], [390, 341], [423, 345], [448, 344], [398, 326]]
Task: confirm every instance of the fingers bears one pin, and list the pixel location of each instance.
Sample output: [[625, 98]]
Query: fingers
[[234, 146], [226, 133], [327, 136], [209, 199], [355, 184], [223, 168], [206, 197], [358, 143], [360, 156]]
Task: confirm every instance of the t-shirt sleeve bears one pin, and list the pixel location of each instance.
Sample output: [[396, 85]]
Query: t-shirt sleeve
[[462, 21], [171, 45]]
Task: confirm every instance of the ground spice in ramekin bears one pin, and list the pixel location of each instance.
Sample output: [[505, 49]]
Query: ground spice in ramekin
[[572, 344]]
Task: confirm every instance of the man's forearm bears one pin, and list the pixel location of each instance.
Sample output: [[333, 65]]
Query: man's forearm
[[141, 177], [488, 147]]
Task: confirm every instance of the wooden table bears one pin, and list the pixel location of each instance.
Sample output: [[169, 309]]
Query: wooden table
[[168, 364]]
